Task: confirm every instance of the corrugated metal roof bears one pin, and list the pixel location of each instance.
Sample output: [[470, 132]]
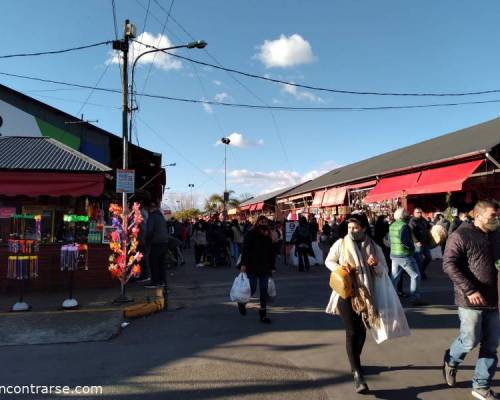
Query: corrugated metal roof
[[482, 137], [42, 153], [267, 196]]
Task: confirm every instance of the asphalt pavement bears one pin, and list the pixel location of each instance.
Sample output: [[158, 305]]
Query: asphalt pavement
[[201, 348]]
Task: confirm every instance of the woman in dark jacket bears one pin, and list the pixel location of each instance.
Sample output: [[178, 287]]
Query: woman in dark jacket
[[257, 260]]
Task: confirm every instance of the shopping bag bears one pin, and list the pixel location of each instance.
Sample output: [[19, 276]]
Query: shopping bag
[[393, 323], [271, 290], [240, 291]]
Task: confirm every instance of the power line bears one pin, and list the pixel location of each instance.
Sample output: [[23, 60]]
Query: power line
[[93, 89], [338, 91], [245, 87], [113, 6], [256, 106], [177, 151], [42, 53]]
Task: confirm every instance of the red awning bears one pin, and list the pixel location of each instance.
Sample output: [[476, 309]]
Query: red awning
[[445, 179], [259, 206], [318, 199], [244, 208], [50, 184], [436, 180], [362, 185], [389, 188], [252, 207], [334, 197]]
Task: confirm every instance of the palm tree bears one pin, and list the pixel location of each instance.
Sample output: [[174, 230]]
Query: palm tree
[[215, 203]]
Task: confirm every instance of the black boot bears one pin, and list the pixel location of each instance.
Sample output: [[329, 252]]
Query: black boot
[[242, 308], [263, 317], [359, 383]]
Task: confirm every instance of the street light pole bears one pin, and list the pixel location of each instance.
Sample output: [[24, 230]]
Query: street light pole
[[226, 142], [191, 186], [198, 44]]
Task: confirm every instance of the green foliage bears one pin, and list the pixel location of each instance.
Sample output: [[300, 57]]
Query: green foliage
[[188, 213]]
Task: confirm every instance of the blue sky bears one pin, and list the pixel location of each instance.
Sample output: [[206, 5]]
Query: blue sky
[[388, 46]]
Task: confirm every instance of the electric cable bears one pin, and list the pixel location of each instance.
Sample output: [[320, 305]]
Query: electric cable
[[42, 53]]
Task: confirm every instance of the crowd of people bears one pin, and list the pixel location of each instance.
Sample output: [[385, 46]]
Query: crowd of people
[[374, 252]]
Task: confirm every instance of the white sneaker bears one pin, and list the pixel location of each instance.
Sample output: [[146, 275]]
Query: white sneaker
[[484, 394], [200, 265]]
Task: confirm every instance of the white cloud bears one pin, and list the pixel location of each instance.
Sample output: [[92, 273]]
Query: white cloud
[[158, 59], [263, 182], [220, 97], [301, 95], [285, 52], [216, 82], [237, 140], [207, 107]]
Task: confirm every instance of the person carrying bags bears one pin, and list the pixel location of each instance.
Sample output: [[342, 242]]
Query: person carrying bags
[[363, 294]]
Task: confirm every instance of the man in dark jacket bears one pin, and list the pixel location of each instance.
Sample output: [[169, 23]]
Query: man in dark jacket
[[421, 229], [469, 262], [157, 238]]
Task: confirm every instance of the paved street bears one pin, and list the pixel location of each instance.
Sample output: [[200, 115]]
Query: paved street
[[203, 349]]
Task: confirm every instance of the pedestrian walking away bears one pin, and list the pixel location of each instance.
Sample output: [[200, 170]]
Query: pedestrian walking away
[[469, 261], [157, 237], [257, 260], [421, 233], [373, 303], [402, 255], [301, 238]]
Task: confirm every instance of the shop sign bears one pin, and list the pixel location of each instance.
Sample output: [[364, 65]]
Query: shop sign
[[7, 212], [125, 181], [290, 227]]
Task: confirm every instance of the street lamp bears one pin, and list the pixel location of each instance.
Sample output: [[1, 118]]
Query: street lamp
[[198, 44], [191, 186], [226, 142]]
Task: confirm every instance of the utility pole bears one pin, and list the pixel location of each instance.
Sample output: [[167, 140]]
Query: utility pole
[[123, 46]]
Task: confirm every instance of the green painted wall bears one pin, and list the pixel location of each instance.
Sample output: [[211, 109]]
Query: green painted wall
[[62, 136]]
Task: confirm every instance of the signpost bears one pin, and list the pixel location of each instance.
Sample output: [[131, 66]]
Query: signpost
[[125, 181]]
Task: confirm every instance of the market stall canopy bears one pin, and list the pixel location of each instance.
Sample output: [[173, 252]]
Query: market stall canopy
[[252, 207], [244, 208], [259, 206], [462, 144], [318, 198], [38, 166], [435, 180], [334, 197], [392, 187], [444, 179]]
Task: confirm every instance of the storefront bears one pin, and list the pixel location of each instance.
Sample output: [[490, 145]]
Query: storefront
[[48, 202], [449, 172]]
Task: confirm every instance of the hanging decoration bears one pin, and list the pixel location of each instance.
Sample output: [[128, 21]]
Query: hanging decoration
[[125, 260]]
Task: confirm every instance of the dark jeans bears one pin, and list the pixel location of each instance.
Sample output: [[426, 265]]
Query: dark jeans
[[423, 258], [145, 272], [355, 332], [262, 280], [156, 263], [303, 254], [199, 252]]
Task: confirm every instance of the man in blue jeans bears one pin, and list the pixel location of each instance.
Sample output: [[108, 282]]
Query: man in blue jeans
[[402, 254], [469, 262]]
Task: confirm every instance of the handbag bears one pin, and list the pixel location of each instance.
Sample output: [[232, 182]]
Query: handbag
[[341, 280]]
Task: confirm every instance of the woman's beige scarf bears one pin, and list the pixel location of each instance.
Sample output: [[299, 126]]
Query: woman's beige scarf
[[362, 286]]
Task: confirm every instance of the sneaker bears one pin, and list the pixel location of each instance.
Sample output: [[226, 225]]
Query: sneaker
[[263, 317], [484, 394], [449, 372], [200, 265]]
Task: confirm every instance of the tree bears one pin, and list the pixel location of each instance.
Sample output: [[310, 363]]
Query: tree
[[215, 203], [190, 213]]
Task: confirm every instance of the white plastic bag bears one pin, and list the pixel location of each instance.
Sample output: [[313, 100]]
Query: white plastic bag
[[240, 291], [393, 323], [271, 290]]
